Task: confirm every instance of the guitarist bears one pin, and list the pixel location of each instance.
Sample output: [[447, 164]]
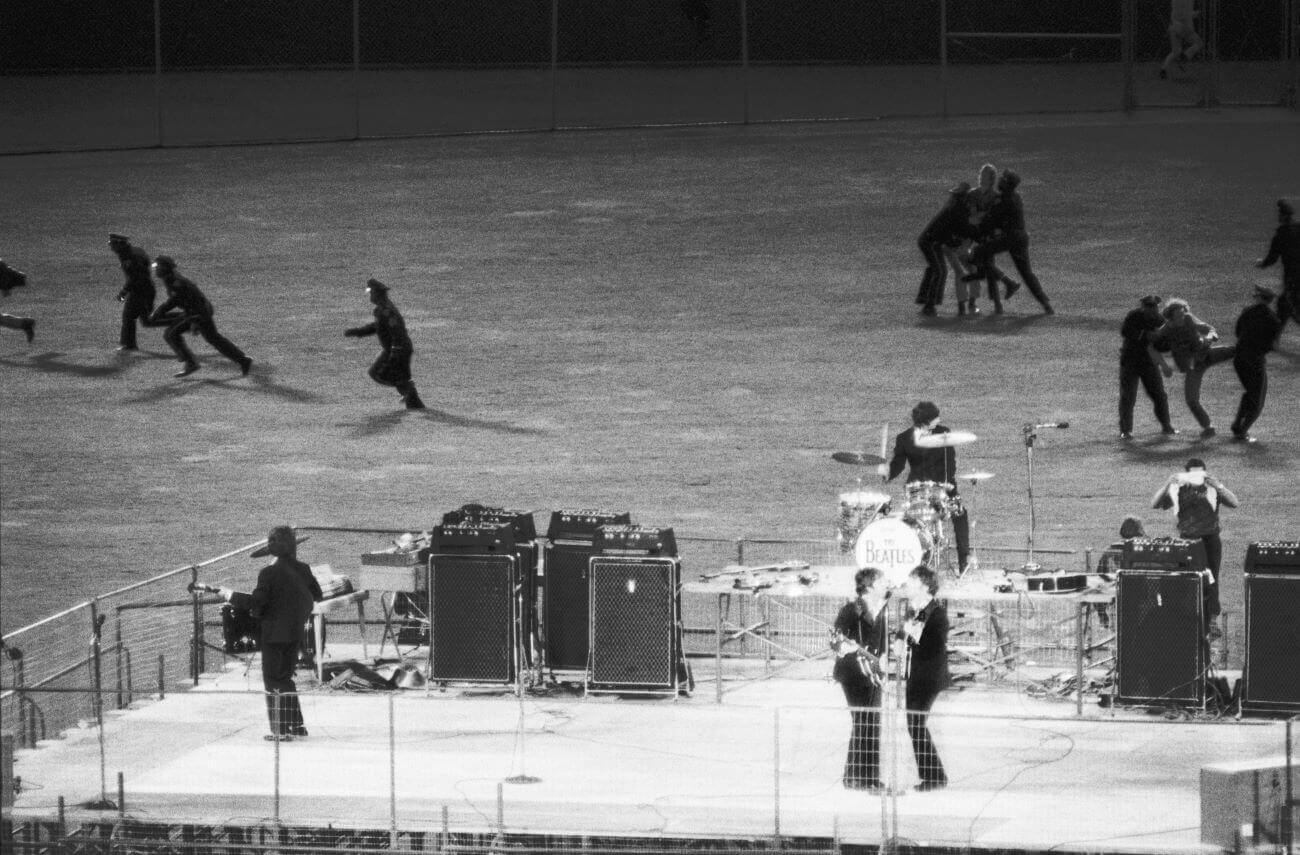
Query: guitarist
[[925, 634], [859, 641]]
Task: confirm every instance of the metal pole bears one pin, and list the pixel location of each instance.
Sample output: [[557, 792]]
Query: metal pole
[[717, 653], [1079, 620], [157, 73], [275, 729], [196, 634], [555, 60], [96, 677], [1126, 55], [776, 775], [356, 69], [392, 774], [117, 638], [162, 677], [943, 58], [744, 61]]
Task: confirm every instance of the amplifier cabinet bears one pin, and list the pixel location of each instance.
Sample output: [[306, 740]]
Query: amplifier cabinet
[[1273, 557], [635, 608], [565, 606], [1271, 677], [474, 619], [1163, 553], [1160, 643]]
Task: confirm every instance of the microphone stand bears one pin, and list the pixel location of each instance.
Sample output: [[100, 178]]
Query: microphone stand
[[1031, 435]]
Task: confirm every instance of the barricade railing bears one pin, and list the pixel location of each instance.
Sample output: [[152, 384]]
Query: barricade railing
[[163, 73], [424, 770]]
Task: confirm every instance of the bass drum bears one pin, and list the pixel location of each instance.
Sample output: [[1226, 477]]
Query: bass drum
[[895, 545], [857, 510]]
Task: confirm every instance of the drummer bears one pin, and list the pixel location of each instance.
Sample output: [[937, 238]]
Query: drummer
[[930, 464]]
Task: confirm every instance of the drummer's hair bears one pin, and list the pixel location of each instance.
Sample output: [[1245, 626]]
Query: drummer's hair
[[865, 578], [924, 413], [926, 577]]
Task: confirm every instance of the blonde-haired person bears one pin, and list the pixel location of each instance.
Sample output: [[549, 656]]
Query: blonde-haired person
[[981, 198], [1191, 342]]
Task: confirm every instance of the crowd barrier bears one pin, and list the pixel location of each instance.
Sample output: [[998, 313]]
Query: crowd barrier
[[147, 73]]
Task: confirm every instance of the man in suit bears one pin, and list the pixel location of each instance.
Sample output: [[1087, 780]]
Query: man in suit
[[393, 365], [282, 603], [1003, 230], [925, 636], [1285, 246], [137, 294], [860, 639], [930, 464], [1258, 327]]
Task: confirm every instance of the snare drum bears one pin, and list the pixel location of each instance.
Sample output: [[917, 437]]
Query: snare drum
[[895, 545], [928, 501], [857, 510]]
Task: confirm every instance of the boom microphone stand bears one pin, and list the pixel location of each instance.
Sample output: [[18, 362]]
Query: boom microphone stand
[[1031, 435]]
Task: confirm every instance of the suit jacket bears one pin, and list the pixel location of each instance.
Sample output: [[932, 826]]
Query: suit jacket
[[855, 624], [924, 464], [283, 599], [930, 654]]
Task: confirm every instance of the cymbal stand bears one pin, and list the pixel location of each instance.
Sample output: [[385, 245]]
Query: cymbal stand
[[974, 559], [1031, 435]]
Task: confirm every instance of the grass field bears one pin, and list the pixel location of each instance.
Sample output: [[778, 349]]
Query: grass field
[[681, 323]]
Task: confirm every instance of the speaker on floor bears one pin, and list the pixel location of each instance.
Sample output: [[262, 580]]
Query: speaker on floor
[[635, 607], [1160, 638], [566, 610], [473, 618], [1271, 678]]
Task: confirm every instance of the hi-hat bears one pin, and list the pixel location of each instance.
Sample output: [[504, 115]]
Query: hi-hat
[[858, 458], [945, 440], [975, 477]]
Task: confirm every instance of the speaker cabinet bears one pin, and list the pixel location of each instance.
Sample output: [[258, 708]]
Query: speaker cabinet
[[1160, 638], [1271, 679], [473, 618], [565, 610], [635, 607]]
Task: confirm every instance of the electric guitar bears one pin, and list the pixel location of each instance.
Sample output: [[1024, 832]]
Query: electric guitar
[[868, 663]]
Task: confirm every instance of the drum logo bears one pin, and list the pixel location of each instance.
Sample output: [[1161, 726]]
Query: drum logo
[[888, 552]]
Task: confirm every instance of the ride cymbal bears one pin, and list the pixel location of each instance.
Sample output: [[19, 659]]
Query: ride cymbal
[[858, 458], [946, 440]]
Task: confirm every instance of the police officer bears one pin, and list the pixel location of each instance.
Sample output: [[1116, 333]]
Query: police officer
[[1003, 230], [1257, 331], [137, 294], [1139, 361], [187, 310], [393, 365], [10, 279], [946, 228], [282, 603], [1286, 247]]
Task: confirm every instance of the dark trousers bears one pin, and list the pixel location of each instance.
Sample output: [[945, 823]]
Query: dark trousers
[[1017, 246], [920, 698], [961, 534], [1213, 559], [1149, 376], [1253, 375], [204, 326], [136, 307], [282, 708], [393, 368], [1288, 304], [862, 764], [1192, 381], [936, 273]]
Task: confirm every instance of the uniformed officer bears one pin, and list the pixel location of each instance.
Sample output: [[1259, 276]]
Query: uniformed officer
[[393, 365], [1140, 362], [187, 310], [137, 294]]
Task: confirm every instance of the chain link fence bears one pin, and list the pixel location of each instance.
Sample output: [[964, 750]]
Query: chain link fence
[[171, 72]]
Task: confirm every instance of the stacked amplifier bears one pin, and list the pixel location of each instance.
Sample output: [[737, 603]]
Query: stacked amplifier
[[566, 610], [482, 578], [1271, 677], [1160, 632]]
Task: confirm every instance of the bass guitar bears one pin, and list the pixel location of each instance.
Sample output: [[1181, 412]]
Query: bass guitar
[[868, 663]]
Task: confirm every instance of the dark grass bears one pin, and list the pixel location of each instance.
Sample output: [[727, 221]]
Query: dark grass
[[681, 323]]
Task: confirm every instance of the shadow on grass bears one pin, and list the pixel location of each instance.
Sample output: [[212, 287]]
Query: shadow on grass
[[378, 424], [51, 363], [258, 381]]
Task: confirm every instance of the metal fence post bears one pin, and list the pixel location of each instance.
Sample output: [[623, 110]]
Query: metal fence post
[[744, 61], [157, 73], [555, 59], [118, 663], [97, 689], [196, 635], [1129, 98], [943, 58], [776, 776], [356, 69], [392, 773]]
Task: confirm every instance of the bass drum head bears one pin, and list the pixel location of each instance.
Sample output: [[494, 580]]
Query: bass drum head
[[894, 545]]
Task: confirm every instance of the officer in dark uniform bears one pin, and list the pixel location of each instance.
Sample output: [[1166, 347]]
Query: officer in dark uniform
[[282, 603], [137, 294], [930, 464], [393, 365], [947, 228], [1139, 361], [1003, 230], [187, 310], [1286, 247], [1257, 330], [10, 279]]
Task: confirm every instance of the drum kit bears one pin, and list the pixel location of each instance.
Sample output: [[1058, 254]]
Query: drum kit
[[897, 539]]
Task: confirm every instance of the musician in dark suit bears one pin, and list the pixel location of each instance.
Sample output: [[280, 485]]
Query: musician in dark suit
[[282, 602], [930, 464], [859, 640], [925, 635]]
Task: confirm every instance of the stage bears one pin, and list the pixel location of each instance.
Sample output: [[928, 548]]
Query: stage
[[1027, 774]]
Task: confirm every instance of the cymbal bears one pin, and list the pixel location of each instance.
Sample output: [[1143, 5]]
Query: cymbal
[[946, 440], [858, 458], [975, 477]]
